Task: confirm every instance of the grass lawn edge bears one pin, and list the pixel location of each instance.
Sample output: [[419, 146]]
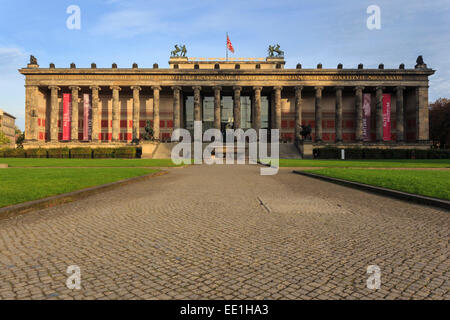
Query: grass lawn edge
[[51, 201]]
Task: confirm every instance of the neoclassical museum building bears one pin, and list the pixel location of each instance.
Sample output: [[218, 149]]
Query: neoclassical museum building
[[111, 106]]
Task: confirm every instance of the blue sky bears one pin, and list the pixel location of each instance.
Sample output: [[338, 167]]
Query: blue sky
[[326, 31]]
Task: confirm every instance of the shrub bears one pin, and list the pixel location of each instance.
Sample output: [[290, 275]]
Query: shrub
[[326, 153], [36, 153], [354, 153], [81, 153], [103, 153], [125, 153], [14, 153], [58, 153], [374, 153]]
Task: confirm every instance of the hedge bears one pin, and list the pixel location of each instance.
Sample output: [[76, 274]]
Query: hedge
[[75, 153], [125, 153], [81, 153], [374, 153], [103, 153], [58, 153], [36, 153], [12, 153]]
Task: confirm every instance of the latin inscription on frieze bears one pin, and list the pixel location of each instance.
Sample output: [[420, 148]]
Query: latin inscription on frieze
[[213, 77]]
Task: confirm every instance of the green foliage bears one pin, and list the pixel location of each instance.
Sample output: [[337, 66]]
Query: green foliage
[[13, 153], [103, 153], [59, 153], [125, 153], [75, 153], [36, 153], [4, 139], [378, 153], [20, 139], [81, 153]]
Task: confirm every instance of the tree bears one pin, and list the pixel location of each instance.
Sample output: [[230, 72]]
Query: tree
[[4, 139], [440, 123]]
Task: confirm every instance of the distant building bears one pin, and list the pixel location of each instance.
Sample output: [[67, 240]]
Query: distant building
[[7, 126]]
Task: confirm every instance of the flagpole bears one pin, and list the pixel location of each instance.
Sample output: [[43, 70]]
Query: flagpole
[[226, 46]]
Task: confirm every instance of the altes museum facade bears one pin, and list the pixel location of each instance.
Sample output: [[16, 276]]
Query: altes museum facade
[[107, 106]]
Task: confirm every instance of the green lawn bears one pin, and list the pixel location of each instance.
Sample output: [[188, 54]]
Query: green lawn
[[432, 163], [18, 185], [22, 162], [432, 183]]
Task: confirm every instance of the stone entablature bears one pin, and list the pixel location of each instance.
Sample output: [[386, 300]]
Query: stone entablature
[[330, 100]]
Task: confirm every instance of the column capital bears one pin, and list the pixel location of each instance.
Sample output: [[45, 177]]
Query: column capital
[[73, 88], [156, 88], [136, 88], [278, 88], [217, 88], [197, 88], [115, 88], [95, 88], [299, 88], [237, 88], [54, 88], [176, 88], [318, 88], [358, 88], [379, 88], [257, 88], [339, 88], [399, 88]]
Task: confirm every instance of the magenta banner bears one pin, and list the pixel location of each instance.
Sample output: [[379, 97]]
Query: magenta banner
[[386, 117], [87, 125], [67, 106], [366, 116]]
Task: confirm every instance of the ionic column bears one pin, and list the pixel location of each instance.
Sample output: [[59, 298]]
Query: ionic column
[[379, 114], [359, 113], [318, 114], [217, 106], [136, 110], [31, 115], [237, 107], [197, 103], [95, 115], [176, 107], [54, 113], [422, 120], [277, 96], [338, 119], [257, 117], [400, 114], [74, 113], [156, 91], [115, 113], [298, 112]]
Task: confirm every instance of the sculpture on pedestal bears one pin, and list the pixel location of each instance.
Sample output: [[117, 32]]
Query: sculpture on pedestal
[[180, 51], [275, 49]]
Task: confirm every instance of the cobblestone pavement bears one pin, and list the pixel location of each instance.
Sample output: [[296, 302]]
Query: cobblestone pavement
[[225, 232]]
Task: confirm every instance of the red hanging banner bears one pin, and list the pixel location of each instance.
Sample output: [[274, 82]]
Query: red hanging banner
[[87, 125], [366, 117], [386, 117], [67, 107]]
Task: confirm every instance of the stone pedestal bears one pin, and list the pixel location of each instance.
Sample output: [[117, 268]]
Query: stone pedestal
[[148, 148], [306, 149]]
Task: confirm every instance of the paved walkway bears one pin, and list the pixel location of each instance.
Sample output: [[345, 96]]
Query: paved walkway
[[226, 232]]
